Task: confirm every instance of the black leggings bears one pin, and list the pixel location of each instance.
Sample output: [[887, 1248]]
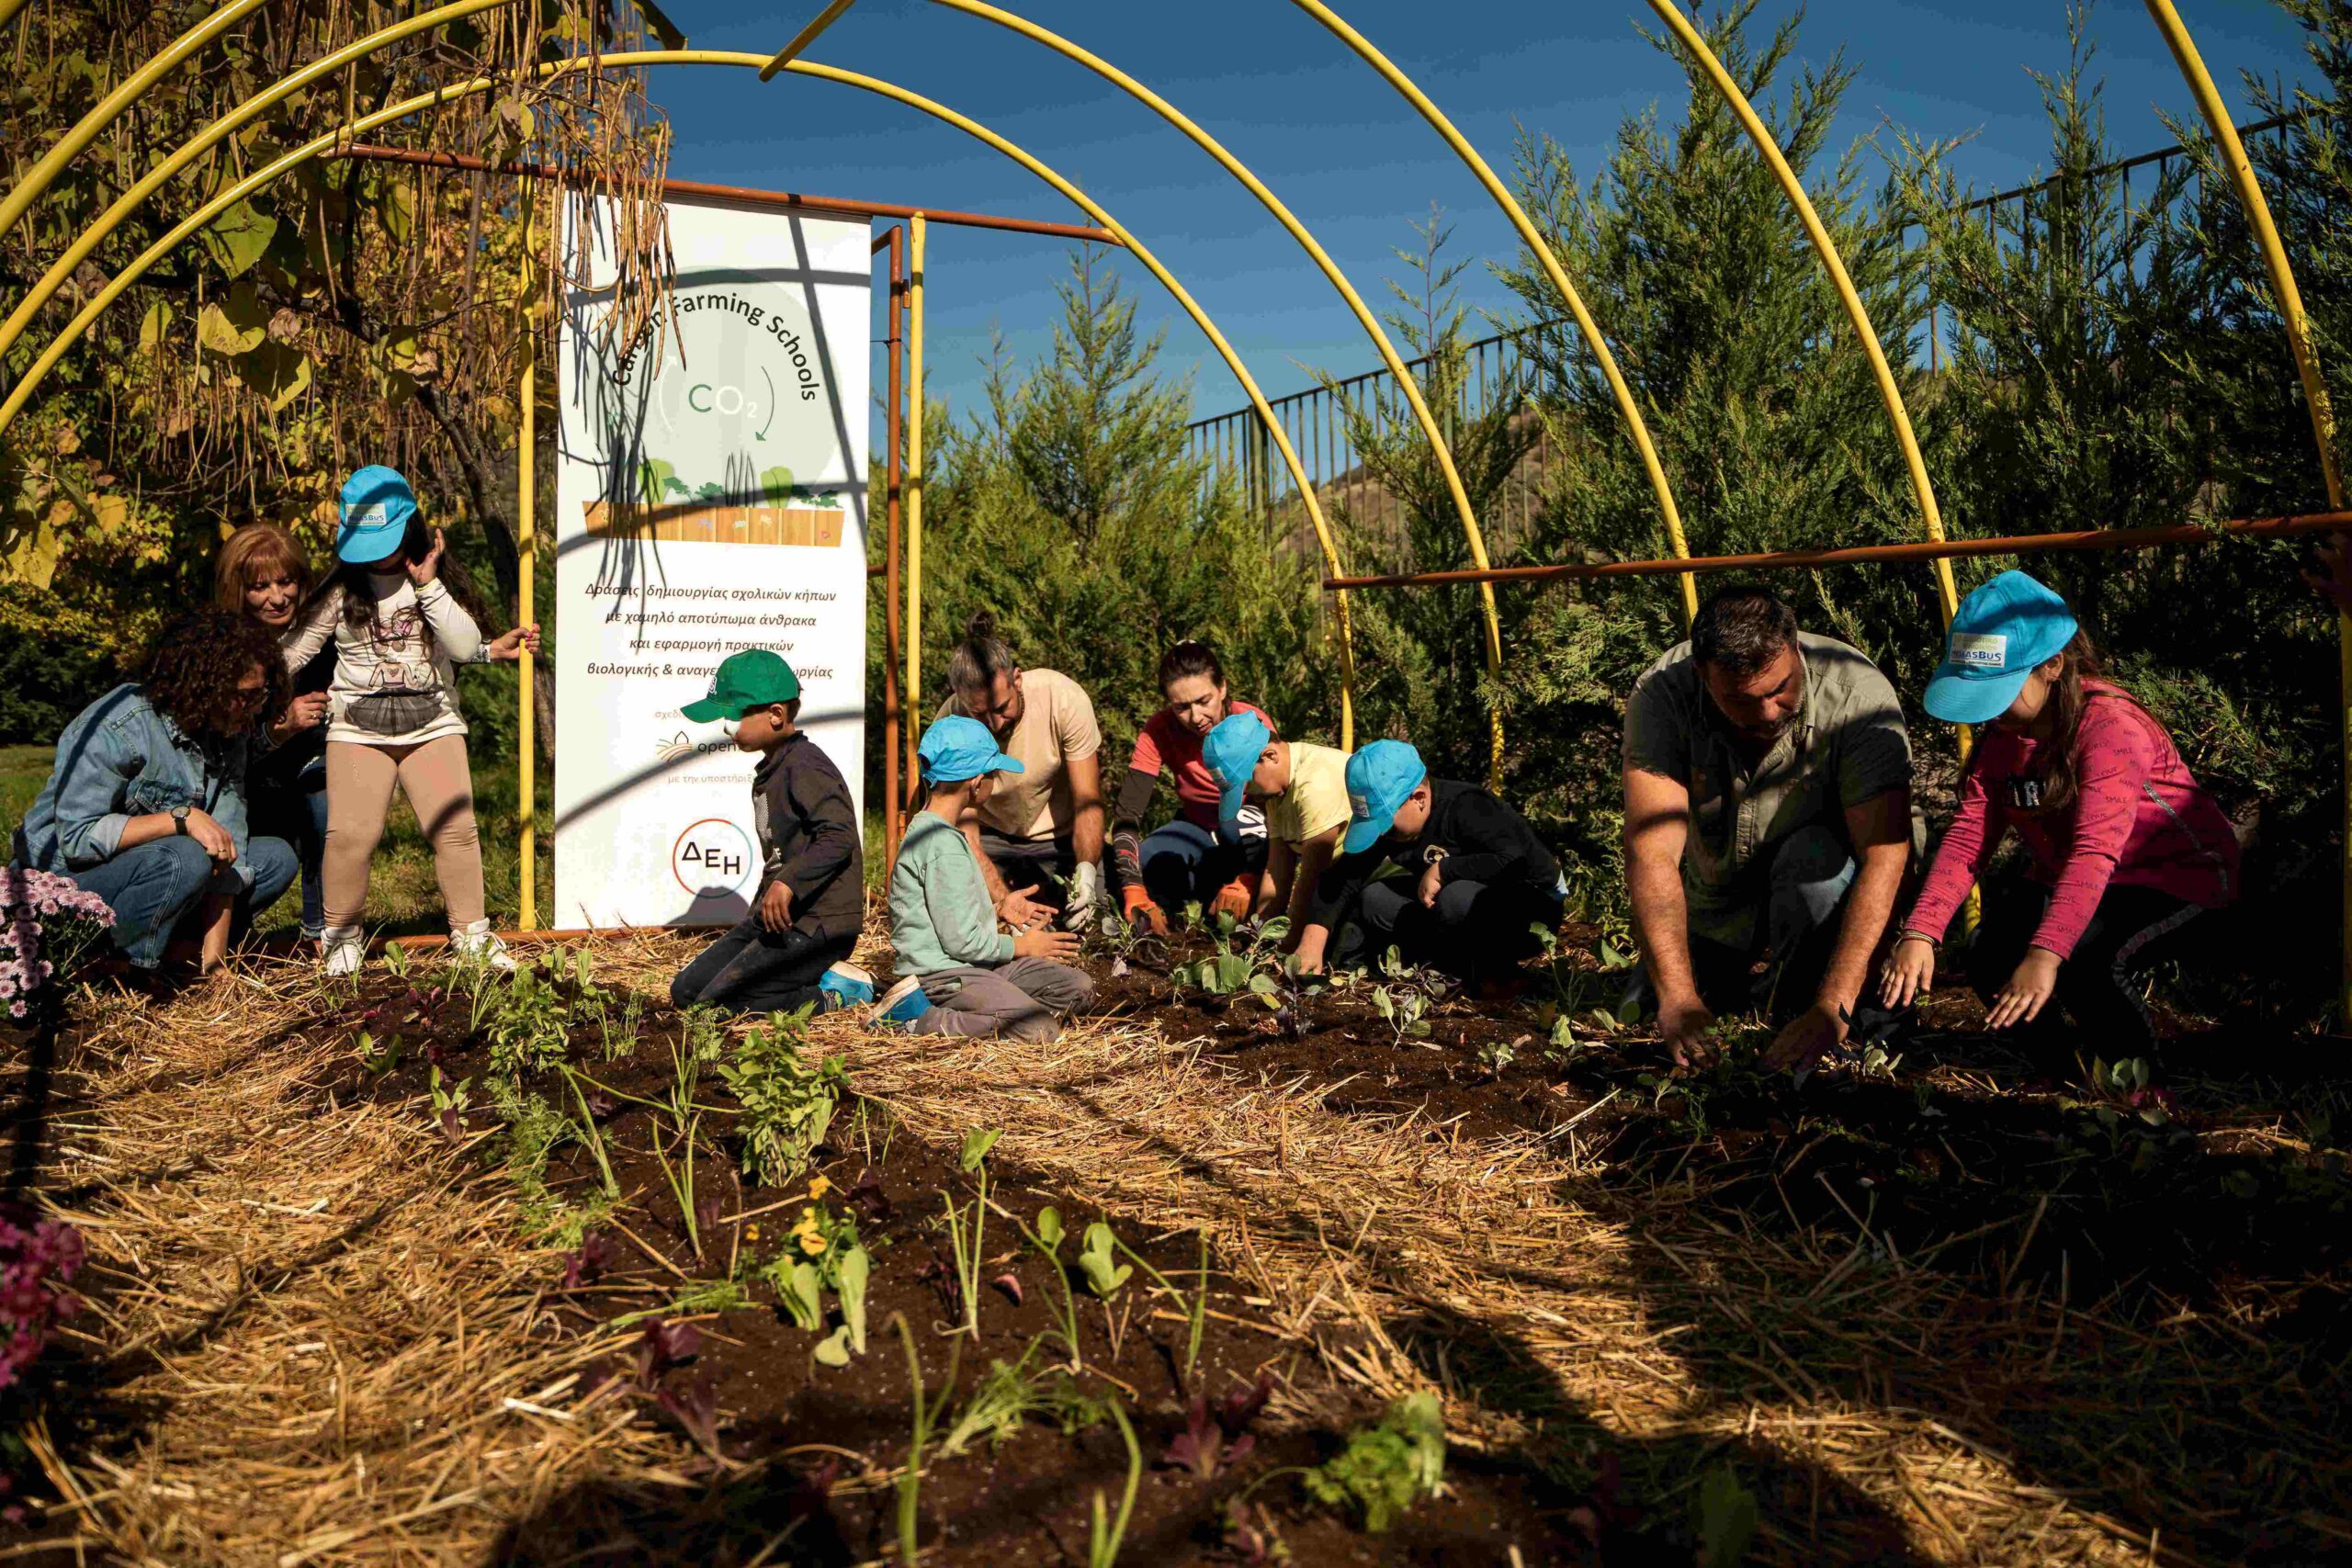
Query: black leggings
[[752, 969], [2099, 986]]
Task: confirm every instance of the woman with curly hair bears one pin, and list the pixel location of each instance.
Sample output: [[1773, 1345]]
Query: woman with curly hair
[[264, 575], [146, 804]]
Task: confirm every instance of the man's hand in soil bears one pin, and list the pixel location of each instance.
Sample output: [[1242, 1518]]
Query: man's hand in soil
[[1806, 1038], [776, 907], [1047, 942], [1020, 911], [1685, 1024], [1085, 893]]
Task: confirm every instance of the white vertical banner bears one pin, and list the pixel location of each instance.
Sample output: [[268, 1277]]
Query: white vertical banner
[[710, 501]]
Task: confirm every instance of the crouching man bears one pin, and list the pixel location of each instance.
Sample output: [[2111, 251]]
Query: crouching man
[[1475, 880], [1767, 815]]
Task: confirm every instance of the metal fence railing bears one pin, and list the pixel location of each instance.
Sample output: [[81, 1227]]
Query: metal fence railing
[[1236, 450]]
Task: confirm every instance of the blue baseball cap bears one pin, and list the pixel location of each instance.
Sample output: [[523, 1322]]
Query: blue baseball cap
[[1998, 635], [1230, 752], [377, 506], [1379, 778], [956, 748]]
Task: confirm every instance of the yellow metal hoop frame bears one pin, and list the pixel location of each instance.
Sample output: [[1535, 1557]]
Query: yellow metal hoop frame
[[19, 394], [209, 137], [109, 109], [2316, 398], [1534, 239], [1889, 392], [1315, 253]]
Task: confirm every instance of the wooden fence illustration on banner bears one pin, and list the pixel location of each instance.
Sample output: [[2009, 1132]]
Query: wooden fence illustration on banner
[[705, 523]]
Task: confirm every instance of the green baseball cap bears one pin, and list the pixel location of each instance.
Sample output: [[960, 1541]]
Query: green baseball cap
[[751, 679]]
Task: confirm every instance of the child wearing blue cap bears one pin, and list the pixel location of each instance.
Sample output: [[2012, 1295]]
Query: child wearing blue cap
[[392, 716], [1303, 788], [1476, 877], [792, 951], [2124, 847], [960, 975]]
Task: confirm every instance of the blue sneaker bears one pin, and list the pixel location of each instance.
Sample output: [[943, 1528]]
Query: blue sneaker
[[902, 1004], [845, 985]]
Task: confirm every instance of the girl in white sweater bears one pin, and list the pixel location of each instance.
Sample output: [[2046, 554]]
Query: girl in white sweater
[[392, 715]]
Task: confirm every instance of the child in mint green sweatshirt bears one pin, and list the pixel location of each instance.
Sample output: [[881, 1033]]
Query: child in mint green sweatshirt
[[976, 979]]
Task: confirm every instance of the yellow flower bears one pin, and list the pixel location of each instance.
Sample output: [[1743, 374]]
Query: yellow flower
[[751, 1233], [812, 1244], [819, 1186]]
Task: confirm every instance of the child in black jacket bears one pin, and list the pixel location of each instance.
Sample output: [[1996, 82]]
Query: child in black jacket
[[791, 952], [1476, 877]]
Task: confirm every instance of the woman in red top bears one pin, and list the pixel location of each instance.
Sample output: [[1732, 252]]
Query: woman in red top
[[1195, 858], [2124, 846]]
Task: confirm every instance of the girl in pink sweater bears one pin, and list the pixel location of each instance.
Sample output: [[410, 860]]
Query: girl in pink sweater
[[2124, 846]]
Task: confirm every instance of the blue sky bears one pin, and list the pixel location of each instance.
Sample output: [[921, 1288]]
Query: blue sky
[[1332, 140]]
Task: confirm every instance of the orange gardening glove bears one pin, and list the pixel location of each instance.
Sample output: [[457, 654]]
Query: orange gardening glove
[[1234, 899], [1142, 912]]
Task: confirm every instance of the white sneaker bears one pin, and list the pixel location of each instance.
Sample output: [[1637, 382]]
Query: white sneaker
[[478, 941], [342, 949], [902, 1003]]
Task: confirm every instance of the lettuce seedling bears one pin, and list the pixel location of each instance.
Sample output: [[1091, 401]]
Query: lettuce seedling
[[1385, 1468], [1104, 1273]]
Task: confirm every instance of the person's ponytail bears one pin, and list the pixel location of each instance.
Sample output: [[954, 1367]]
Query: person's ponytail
[[981, 658]]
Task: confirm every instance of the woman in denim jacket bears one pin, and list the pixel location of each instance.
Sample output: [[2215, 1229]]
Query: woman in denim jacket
[[145, 805]]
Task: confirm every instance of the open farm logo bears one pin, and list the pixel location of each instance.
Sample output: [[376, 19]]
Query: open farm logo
[[713, 858]]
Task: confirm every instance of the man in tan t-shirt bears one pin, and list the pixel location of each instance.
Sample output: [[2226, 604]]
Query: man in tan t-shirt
[[1045, 823]]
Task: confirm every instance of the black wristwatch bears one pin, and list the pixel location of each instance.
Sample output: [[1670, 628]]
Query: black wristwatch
[[179, 820]]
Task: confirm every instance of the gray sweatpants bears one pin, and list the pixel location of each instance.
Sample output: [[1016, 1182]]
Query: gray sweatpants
[[1026, 998]]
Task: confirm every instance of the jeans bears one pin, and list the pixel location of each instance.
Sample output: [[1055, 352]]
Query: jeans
[[751, 969], [1026, 998], [154, 886], [1806, 897], [296, 812], [1474, 929], [1185, 863], [2097, 985]]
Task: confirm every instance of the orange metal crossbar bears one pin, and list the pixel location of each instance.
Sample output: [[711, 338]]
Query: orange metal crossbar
[[746, 194], [1856, 555]]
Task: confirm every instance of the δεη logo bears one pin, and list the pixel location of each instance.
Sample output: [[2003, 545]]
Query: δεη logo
[[713, 858]]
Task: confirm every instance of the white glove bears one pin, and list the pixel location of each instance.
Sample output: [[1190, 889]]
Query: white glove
[[1085, 894]]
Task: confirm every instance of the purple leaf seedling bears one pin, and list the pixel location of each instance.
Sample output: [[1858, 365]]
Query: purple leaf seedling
[[586, 1265], [1203, 1447], [1009, 1283], [663, 1346], [866, 1195], [1250, 1535], [694, 1404]]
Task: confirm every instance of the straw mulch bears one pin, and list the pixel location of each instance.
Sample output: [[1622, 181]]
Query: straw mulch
[[345, 1358]]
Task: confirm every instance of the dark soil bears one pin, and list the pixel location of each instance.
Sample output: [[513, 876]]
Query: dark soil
[[789, 1428], [2014, 1170]]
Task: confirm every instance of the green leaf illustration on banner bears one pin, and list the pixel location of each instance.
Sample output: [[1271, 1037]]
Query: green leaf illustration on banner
[[654, 479], [776, 484]]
